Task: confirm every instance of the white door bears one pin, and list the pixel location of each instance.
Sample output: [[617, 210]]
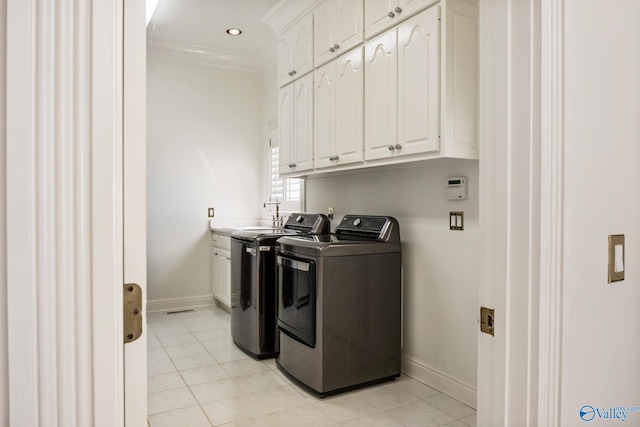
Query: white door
[[378, 16], [285, 130], [324, 98], [224, 276], [303, 124], [285, 65], [135, 201], [419, 83], [302, 46], [323, 32], [349, 110], [381, 96], [349, 24], [407, 8], [68, 161]]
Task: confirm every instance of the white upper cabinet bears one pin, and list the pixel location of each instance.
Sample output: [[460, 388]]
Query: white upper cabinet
[[419, 83], [380, 15], [285, 128], [295, 51], [410, 93], [403, 89], [339, 111], [381, 96], [420, 90], [295, 110], [338, 26]]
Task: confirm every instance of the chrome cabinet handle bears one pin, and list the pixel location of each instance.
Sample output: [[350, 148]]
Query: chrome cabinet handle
[[292, 165], [290, 73], [293, 72], [391, 14], [397, 146], [336, 47], [398, 9], [332, 49], [333, 158], [391, 147]]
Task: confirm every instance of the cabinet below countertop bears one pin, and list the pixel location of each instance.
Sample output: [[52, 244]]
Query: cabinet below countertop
[[221, 268]]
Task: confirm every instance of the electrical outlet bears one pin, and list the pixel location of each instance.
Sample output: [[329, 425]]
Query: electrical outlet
[[211, 213]]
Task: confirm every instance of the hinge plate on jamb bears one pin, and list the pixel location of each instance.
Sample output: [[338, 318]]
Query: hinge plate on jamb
[[486, 320], [132, 312]]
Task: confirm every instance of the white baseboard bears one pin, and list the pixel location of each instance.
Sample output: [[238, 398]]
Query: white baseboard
[[179, 303], [442, 382]]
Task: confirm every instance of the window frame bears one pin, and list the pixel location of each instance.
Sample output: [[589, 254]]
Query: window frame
[[287, 205]]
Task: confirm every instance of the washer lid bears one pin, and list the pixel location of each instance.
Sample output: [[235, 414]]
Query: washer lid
[[297, 223]]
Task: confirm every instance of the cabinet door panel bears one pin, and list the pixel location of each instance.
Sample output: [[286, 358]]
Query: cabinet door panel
[[419, 83], [215, 268], [224, 277], [303, 128], [284, 60], [324, 99], [350, 108], [376, 16], [349, 21], [381, 96], [411, 7], [285, 128], [323, 32], [303, 46]]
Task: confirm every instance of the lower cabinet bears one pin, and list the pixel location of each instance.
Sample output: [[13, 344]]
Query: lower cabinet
[[221, 270]]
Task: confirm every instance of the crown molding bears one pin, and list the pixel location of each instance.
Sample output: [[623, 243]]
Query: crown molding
[[175, 50]]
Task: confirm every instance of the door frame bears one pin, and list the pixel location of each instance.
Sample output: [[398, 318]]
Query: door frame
[[521, 209], [66, 138], [135, 200]]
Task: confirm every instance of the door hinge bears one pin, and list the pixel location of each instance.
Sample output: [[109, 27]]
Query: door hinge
[[132, 312], [486, 320]]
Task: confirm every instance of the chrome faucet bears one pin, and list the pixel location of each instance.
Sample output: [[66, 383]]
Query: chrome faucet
[[276, 220]]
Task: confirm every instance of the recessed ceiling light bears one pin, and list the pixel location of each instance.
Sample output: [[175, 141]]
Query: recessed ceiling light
[[234, 31]]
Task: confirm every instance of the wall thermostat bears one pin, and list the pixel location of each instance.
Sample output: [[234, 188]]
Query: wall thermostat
[[456, 188]]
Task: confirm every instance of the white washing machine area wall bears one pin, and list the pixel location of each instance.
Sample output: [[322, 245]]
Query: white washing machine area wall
[[340, 305]]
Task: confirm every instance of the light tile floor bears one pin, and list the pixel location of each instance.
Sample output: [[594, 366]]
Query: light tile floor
[[198, 378]]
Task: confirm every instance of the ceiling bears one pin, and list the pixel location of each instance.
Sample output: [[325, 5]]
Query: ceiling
[[204, 23]]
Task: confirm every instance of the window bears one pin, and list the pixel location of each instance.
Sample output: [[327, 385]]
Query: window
[[288, 191]]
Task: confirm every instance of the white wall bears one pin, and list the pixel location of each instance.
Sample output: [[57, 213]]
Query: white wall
[[440, 267], [601, 339], [204, 133]]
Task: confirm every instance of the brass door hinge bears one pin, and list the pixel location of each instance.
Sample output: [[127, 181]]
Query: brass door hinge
[[132, 312], [486, 320]]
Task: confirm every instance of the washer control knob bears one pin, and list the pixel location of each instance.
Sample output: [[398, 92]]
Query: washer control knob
[[357, 222], [299, 218]]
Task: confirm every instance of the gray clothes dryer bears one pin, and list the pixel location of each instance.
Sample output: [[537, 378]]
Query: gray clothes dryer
[[253, 282], [340, 305]]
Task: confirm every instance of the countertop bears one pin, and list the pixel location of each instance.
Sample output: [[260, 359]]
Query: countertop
[[228, 226]]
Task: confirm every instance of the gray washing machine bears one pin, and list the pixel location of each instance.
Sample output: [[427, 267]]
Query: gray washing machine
[[340, 305], [253, 282]]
